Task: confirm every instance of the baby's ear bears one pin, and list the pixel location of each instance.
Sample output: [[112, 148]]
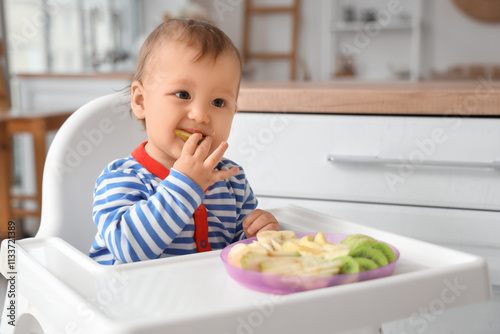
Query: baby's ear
[[137, 99]]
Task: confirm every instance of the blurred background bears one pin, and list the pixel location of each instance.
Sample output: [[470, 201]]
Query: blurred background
[[370, 39], [57, 55]]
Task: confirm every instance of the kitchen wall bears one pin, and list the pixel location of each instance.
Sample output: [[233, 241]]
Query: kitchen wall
[[448, 36], [453, 38]]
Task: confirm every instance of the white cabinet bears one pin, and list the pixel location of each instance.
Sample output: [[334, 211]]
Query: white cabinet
[[382, 38], [421, 161], [432, 178]]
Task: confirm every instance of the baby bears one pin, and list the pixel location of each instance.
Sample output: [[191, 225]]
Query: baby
[[174, 196]]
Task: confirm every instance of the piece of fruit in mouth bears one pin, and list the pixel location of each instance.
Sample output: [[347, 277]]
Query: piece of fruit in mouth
[[184, 135]]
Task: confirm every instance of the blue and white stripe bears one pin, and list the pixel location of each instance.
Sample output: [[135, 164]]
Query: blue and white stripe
[[141, 217]]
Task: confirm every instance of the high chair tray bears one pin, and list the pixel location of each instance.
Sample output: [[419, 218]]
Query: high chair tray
[[65, 291]]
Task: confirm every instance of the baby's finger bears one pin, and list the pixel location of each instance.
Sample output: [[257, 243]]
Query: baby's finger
[[191, 144], [270, 227], [203, 148], [224, 174], [213, 159]]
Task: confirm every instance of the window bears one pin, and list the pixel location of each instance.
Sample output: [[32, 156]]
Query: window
[[71, 36]]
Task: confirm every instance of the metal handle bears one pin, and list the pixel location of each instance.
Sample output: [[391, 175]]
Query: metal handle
[[336, 158]]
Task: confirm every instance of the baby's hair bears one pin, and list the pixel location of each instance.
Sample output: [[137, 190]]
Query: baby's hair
[[208, 39]]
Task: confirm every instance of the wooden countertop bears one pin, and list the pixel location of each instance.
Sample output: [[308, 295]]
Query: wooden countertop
[[467, 98], [471, 98]]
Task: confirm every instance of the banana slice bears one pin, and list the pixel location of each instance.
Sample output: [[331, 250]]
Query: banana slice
[[265, 237], [320, 238]]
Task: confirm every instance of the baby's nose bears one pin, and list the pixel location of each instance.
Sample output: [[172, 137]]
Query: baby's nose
[[199, 114]]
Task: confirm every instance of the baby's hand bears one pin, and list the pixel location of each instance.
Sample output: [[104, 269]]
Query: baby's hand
[[259, 220], [198, 165]]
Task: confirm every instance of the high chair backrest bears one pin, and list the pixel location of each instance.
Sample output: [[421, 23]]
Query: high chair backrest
[[96, 134]]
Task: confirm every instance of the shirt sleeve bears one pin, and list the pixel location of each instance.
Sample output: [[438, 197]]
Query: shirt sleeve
[[136, 224]]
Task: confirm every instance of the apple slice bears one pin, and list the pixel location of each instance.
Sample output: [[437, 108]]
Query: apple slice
[[299, 266], [237, 253]]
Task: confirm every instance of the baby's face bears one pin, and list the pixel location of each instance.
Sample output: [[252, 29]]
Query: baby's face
[[194, 96]]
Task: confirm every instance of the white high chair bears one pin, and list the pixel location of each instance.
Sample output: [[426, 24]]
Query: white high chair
[[59, 289], [96, 134]]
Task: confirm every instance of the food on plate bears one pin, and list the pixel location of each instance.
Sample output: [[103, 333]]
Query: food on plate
[[368, 248], [349, 265], [266, 237], [237, 253], [184, 135], [283, 253], [384, 248], [365, 264], [370, 253], [356, 240]]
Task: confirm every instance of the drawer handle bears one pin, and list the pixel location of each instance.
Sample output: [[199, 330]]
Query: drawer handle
[[375, 160]]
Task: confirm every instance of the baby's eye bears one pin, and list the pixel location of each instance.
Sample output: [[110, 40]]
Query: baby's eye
[[219, 103], [183, 95]]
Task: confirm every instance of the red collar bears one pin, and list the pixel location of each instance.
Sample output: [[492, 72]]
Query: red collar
[[149, 163]]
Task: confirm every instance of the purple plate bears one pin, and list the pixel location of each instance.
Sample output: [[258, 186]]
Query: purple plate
[[281, 284]]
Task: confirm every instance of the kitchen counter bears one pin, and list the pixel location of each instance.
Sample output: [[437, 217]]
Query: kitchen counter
[[471, 98], [67, 91]]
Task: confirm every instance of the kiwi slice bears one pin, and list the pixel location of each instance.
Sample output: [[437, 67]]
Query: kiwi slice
[[349, 265], [386, 249], [368, 252], [184, 135], [365, 264], [347, 240], [354, 241]]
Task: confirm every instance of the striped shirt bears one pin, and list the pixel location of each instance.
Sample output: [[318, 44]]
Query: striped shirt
[[140, 216]]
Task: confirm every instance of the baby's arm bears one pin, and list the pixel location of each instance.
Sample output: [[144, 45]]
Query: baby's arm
[[259, 220], [136, 223]]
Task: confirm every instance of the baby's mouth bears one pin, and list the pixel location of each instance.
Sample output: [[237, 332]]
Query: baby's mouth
[[184, 135]]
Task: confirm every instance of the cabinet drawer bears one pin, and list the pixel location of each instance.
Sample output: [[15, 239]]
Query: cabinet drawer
[[429, 161]]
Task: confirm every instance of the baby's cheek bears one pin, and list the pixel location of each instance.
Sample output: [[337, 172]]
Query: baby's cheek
[[177, 151]]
